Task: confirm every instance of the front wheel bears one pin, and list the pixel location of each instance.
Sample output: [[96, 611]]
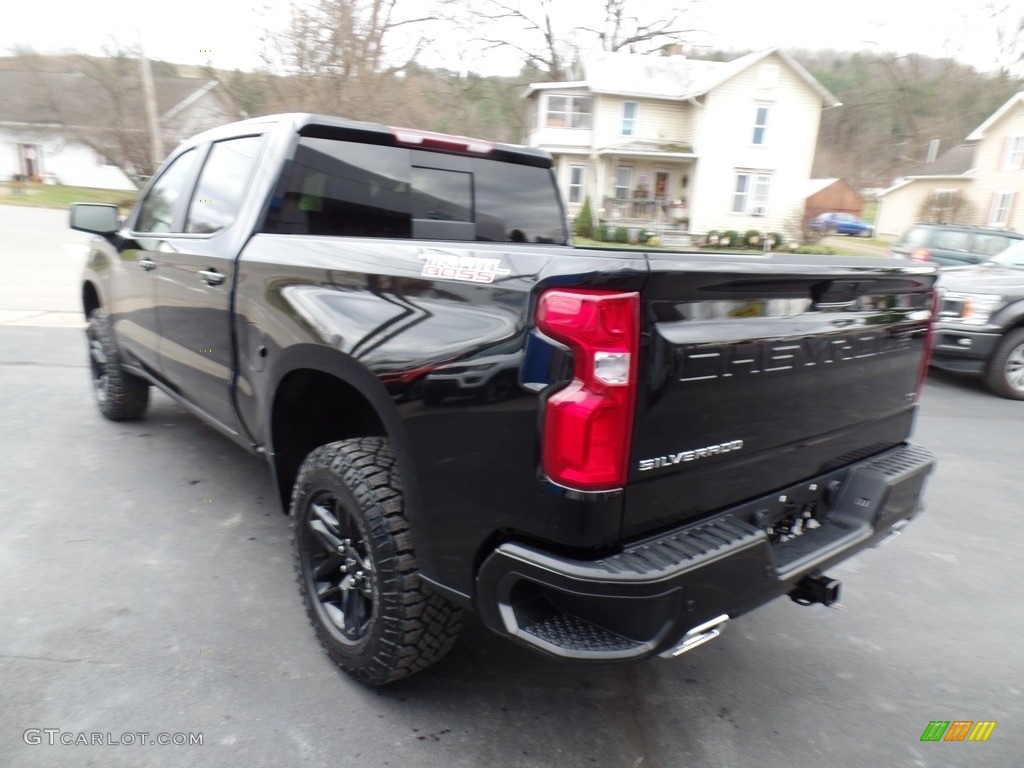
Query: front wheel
[[119, 395], [1005, 373], [357, 568]]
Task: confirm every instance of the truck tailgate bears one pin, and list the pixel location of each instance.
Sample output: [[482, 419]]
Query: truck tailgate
[[758, 373]]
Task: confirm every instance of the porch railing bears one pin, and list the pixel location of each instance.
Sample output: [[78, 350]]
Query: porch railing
[[655, 210]]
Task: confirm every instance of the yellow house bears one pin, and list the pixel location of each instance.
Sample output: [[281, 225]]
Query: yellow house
[[681, 143], [976, 183]]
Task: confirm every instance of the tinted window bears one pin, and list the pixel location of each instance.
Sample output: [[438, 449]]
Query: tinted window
[[442, 195], [222, 183], [345, 188], [517, 203], [341, 188], [157, 211]]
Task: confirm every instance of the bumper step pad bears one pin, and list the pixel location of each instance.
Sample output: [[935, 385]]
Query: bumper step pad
[[575, 634]]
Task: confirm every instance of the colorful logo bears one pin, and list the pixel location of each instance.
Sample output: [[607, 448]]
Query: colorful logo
[[958, 730]]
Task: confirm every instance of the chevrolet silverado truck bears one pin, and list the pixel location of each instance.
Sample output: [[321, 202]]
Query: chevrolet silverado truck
[[681, 437]]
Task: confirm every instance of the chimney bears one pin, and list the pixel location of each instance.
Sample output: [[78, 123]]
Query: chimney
[[675, 49], [933, 150]]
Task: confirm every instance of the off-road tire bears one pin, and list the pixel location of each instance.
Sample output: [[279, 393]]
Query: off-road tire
[[120, 395], [357, 569], [1005, 372]]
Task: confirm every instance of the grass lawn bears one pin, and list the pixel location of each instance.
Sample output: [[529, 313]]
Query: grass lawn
[[59, 196]]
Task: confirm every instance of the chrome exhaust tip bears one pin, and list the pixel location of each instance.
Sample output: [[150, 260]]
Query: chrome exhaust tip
[[699, 635]]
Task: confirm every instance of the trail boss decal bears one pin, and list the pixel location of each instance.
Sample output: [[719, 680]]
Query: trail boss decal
[[684, 456], [469, 269]]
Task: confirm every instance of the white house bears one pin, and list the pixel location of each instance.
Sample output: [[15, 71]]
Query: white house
[[718, 145], [44, 115], [975, 183]]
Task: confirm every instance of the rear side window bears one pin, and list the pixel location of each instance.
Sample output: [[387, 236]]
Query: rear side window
[[914, 237], [949, 240], [990, 245], [352, 189]]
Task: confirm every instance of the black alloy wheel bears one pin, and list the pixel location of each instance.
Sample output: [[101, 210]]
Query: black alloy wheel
[[341, 570], [357, 567]]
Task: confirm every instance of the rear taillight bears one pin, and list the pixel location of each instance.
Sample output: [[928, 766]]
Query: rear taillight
[[589, 423], [922, 374], [920, 254]]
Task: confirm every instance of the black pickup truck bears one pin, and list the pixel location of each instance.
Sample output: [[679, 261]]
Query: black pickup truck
[[606, 454]]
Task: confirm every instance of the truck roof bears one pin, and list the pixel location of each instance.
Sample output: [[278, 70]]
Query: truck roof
[[327, 126]]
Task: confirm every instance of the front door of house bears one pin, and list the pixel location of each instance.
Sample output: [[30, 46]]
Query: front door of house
[[661, 185]]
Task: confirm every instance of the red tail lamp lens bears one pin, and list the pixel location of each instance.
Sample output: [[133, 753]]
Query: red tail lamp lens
[[588, 425]]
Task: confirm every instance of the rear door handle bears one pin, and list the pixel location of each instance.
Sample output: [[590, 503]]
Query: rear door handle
[[211, 276], [147, 264]]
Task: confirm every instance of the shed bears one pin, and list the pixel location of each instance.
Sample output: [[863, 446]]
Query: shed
[[831, 196]]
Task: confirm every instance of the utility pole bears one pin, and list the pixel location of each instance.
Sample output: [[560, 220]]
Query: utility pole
[[156, 143]]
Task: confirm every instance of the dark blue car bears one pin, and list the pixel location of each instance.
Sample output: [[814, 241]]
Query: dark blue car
[[842, 224]]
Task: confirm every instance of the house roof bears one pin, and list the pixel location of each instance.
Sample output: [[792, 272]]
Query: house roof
[[55, 98], [979, 132], [646, 147], [954, 162], [672, 78]]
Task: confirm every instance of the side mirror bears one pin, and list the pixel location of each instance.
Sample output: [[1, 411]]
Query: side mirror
[[96, 218]]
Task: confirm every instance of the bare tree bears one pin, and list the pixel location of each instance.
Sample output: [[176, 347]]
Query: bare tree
[[1008, 20], [631, 26], [342, 55], [550, 35], [531, 28], [945, 207], [95, 101]]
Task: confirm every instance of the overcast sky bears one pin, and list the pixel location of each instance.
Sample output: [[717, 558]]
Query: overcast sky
[[226, 33]]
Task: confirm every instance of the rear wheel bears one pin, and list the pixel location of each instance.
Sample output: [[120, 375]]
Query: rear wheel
[[357, 568], [119, 395], [1005, 373]]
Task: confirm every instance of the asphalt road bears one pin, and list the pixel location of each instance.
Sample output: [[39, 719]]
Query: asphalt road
[[146, 586]]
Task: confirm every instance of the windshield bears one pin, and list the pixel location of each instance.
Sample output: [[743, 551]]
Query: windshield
[[1011, 257]]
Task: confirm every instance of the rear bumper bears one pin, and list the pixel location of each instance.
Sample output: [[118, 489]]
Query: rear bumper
[[645, 599]]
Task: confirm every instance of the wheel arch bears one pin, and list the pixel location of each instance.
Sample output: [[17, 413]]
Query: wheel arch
[[90, 298], [320, 396]]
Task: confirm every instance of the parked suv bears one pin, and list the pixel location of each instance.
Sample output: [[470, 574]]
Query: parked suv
[[981, 322], [952, 244]]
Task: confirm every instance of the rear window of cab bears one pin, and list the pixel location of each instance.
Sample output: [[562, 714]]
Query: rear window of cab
[[346, 188]]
